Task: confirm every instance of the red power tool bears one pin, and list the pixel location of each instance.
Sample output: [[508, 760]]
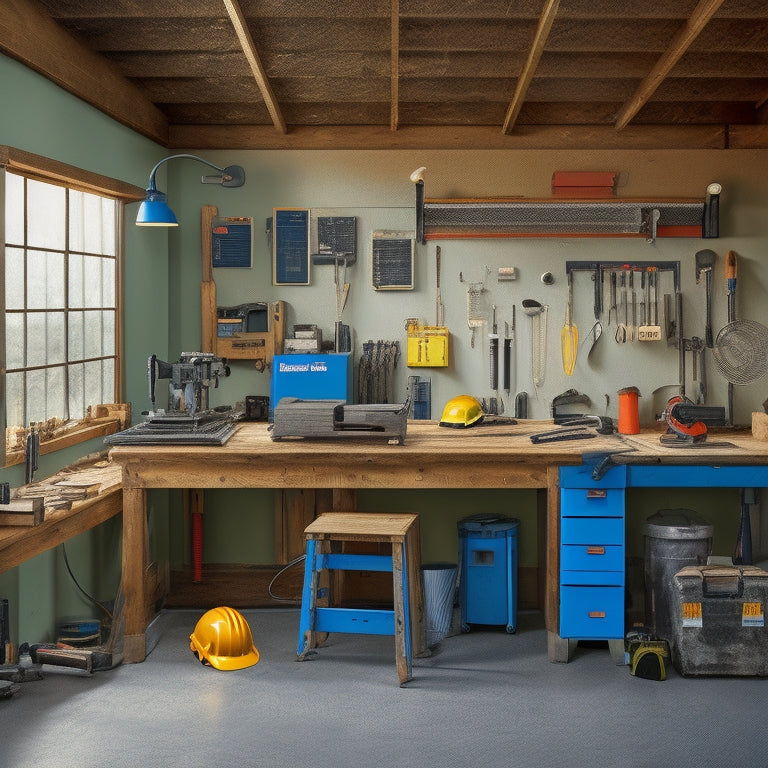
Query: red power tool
[[687, 422]]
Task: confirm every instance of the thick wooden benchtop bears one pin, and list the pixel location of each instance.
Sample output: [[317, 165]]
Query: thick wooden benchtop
[[432, 457]]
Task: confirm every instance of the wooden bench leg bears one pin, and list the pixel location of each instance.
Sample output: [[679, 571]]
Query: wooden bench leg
[[307, 634], [403, 642], [135, 556]]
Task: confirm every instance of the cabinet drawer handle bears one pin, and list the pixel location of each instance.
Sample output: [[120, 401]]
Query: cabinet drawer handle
[[597, 493], [596, 614], [595, 550]]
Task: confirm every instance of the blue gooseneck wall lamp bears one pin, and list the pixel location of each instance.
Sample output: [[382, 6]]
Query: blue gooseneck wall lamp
[[154, 211]]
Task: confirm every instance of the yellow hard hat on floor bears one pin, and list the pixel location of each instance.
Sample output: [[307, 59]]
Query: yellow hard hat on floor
[[222, 638]]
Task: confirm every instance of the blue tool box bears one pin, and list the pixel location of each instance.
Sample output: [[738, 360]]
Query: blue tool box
[[311, 377]]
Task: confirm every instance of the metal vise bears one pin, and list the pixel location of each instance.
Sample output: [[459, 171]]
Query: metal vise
[[189, 378]]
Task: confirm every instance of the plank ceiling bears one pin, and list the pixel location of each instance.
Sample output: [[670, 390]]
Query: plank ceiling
[[402, 73]]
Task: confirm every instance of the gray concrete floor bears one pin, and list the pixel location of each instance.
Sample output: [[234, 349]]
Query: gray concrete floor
[[484, 698]]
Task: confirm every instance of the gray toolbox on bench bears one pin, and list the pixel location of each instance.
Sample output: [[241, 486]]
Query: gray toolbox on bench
[[718, 621]]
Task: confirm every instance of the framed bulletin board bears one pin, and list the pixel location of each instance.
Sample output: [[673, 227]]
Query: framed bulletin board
[[231, 241], [392, 260], [290, 246]]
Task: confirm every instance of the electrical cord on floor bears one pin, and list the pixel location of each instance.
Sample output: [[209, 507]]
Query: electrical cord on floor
[[295, 561], [77, 584]]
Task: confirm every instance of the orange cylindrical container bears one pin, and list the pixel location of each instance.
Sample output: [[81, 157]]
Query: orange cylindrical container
[[629, 412]]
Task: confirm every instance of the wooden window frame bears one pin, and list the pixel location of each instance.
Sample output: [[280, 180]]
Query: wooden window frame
[[108, 418]]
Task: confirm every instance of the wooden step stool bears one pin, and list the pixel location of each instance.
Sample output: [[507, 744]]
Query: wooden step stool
[[405, 622]]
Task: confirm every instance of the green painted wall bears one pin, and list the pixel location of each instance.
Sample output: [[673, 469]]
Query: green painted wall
[[374, 186], [39, 117]]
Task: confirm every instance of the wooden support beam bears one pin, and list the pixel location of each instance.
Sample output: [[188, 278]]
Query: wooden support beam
[[367, 137], [254, 61], [394, 110], [523, 82], [30, 36], [680, 44]]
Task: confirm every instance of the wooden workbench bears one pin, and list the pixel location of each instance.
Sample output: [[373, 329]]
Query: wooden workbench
[[486, 456], [76, 499]]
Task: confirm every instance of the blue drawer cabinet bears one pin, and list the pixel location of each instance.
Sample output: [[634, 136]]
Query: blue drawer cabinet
[[592, 613], [592, 554], [600, 558]]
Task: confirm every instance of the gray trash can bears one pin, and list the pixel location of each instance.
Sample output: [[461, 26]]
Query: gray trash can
[[439, 597], [674, 538]]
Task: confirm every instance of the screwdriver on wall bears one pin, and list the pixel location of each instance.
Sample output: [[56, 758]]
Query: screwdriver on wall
[[509, 336]]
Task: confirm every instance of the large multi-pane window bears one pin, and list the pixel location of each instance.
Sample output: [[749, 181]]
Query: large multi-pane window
[[60, 303]]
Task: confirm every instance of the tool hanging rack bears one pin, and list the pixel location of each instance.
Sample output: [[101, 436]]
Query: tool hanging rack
[[477, 218], [602, 267]]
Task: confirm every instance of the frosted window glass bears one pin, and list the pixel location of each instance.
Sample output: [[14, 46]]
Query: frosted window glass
[[56, 340], [93, 328], [107, 380], [14, 341], [76, 223], [108, 346], [75, 266], [14, 392], [46, 220], [14, 278], [108, 296], [36, 393], [92, 282], [92, 384], [76, 390], [75, 335], [14, 209], [45, 280], [45, 338]]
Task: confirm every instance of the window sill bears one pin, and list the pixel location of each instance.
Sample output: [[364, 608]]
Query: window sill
[[108, 419]]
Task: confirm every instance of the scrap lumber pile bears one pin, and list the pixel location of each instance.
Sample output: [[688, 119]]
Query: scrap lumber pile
[[78, 482]]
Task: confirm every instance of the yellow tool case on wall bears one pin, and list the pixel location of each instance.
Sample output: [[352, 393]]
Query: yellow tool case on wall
[[427, 346]]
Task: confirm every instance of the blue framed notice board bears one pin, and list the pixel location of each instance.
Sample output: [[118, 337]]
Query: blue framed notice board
[[290, 246]]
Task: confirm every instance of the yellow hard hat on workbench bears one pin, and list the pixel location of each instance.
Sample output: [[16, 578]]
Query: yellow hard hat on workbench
[[462, 411]]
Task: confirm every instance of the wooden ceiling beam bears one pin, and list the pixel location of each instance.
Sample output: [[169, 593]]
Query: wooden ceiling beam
[[30, 36], [680, 44], [394, 113], [252, 55], [523, 82], [365, 137]]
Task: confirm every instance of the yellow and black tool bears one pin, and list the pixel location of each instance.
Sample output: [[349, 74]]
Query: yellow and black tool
[[647, 656]]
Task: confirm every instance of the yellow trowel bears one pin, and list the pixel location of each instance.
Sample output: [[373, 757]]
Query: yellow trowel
[[569, 336]]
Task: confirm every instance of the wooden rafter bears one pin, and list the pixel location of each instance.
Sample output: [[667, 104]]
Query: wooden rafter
[[680, 44], [523, 82], [33, 38], [394, 114], [252, 55]]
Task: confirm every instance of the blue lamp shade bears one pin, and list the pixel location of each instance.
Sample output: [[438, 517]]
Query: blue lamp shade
[[154, 211]]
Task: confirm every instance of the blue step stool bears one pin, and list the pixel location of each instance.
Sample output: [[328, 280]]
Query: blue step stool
[[405, 621]]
